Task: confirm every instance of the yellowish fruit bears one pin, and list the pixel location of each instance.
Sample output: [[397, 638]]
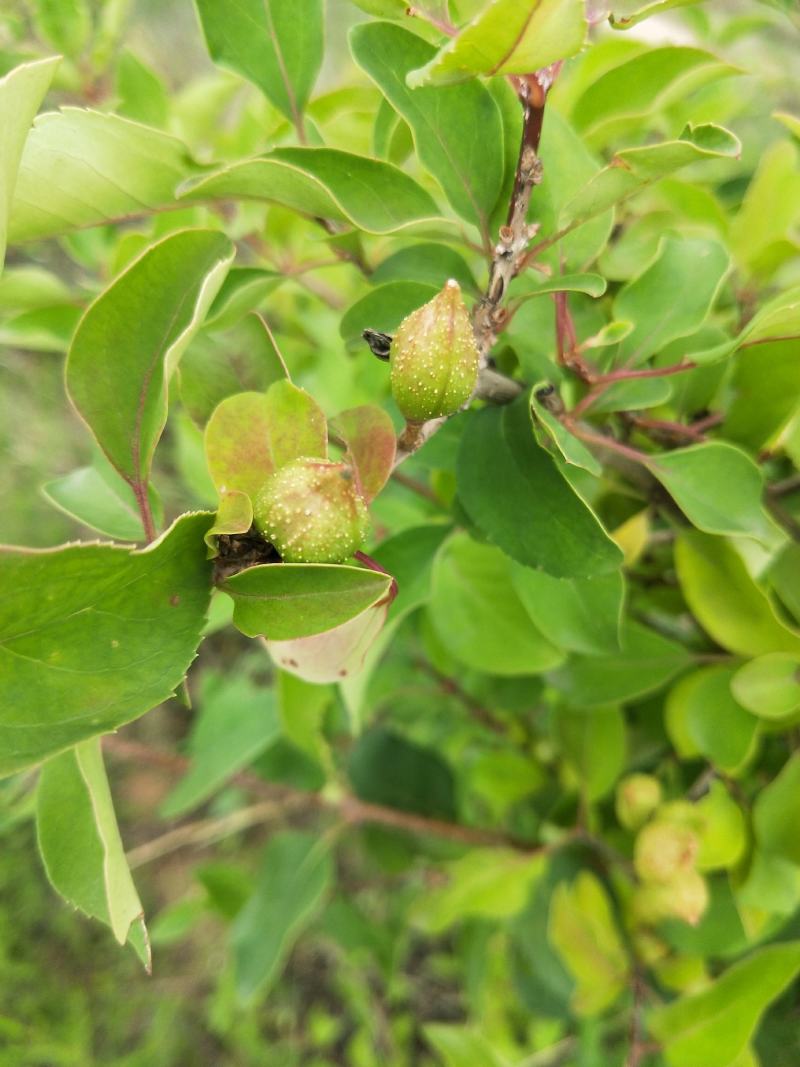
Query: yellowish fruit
[[312, 512], [434, 358], [684, 897], [663, 850], [637, 798]]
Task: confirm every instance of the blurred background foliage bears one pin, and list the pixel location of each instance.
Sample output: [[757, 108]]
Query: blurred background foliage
[[390, 968]]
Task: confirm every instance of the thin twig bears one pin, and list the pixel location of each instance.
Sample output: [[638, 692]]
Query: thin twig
[[637, 1045], [783, 488], [624, 374], [478, 711], [509, 253], [204, 832], [601, 441], [348, 808], [515, 236], [417, 487], [664, 429]]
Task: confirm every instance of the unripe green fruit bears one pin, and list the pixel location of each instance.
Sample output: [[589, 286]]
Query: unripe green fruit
[[663, 850], [638, 796], [684, 897], [312, 512], [434, 358]]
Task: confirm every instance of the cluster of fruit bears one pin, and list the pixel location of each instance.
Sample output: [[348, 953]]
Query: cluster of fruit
[[677, 844], [313, 510]]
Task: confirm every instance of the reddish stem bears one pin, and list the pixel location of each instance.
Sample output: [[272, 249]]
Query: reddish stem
[[605, 442], [143, 504], [625, 375]]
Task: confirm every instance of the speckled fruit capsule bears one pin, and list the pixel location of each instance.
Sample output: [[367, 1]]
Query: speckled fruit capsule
[[434, 358], [312, 512]]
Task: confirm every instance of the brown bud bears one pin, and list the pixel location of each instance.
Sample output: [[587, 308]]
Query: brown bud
[[434, 358]]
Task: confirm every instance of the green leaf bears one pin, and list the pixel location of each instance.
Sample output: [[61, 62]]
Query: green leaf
[[766, 387], [92, 636], [80, 843], [691, 271], [142, 94], [633, 395], [41, 329], [719, 489], [769, 685], [594, 746], [334, 654], [578, 614], [409, 556], [718, 727], [296, 874], [369, 194], [721, 828], [776, 320], [582, 930], [82, 168], [762, 232], [478, 616], [383, 308], [711, 1028], [590, 284], [26, 288], [632, 14], [572, 449], [567, 165], [772, 884], [250, 435], [642, 85], [457, 129], [65, 24], [777, 811], [542, 981], [633, 169], [791, 122], [131, 338], [726, 601], [99, 498], [461, 1046], [282, 601], [245, 358], [516, 495], [21, 92], [426, 263], [369, 438], [301, 712], [386, 768], [508, 37], [244, 288], [645, 664], [491, 883], [234, 515], [236, 722], [276, 46]]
